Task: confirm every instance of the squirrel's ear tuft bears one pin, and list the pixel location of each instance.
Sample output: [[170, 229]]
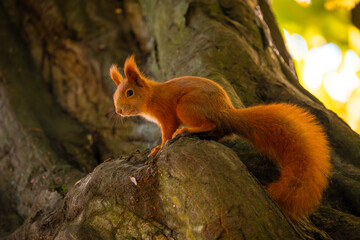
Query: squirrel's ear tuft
[[132, 72], [115, 75]]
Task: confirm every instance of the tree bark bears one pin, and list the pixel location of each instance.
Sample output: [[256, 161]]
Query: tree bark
[[57, 126]]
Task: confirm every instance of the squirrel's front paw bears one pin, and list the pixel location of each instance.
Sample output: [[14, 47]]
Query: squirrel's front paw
[[179, 131], [154, 151]]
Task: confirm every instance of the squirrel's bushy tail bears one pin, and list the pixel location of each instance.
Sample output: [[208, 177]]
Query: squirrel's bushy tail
[[293, 138]]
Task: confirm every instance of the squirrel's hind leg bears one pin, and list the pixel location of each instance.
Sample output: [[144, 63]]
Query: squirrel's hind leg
[[206, 127], [193, 115]]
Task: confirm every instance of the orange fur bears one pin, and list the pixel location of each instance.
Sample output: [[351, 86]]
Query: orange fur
[[286, 133], [115, 75]]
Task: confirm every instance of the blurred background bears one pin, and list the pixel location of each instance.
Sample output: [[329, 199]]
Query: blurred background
[[323, 37]]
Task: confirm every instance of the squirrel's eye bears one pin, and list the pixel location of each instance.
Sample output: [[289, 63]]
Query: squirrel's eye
[[129, 93]]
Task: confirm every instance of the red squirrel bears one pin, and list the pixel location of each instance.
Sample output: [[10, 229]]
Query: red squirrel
[[285, 133]]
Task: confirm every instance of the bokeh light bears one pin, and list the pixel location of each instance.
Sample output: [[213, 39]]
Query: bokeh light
[[325, 47]]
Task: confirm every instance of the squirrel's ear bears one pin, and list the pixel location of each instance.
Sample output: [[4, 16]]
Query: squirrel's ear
[[115, 75], [132, 72]]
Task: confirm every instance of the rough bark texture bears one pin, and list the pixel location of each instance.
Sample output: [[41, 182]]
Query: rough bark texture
[[57, 126]]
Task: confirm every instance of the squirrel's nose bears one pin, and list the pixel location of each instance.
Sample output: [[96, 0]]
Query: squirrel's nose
[[119, 111]]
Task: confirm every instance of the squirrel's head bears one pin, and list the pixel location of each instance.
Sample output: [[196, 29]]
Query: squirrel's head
[[133, 92]]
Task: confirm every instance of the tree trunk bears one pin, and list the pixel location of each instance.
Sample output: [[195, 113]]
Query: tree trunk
[[69, 169]]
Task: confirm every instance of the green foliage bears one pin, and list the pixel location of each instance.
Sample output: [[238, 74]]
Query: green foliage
[[347, 4], [313, 20], [325, 47]]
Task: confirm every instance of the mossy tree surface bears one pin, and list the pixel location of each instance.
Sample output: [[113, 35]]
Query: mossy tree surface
[[57, 125]]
